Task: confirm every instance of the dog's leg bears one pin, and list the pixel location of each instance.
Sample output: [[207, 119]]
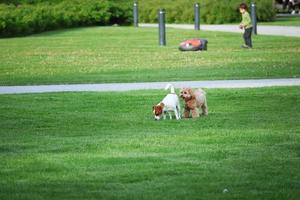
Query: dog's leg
[[186, 112], [170, 115], [178, 112], [195, 113], [204, 108], [164, 115]]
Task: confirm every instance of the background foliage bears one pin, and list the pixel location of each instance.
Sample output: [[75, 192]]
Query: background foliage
[[212, 11], [21, 17]]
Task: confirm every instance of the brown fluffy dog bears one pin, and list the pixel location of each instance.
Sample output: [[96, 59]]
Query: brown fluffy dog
[[194, 100]]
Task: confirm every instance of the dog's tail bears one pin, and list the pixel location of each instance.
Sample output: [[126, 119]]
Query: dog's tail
[[169, 85]]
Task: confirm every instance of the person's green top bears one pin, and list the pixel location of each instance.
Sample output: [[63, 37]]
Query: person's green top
[[246, 20]]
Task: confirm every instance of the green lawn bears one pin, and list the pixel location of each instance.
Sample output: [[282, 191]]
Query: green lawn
[[127, 54], [107, 146], [284, 21]]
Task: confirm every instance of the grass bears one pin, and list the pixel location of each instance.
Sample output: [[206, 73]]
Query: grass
[[107, 146], [284, 21], [126, 54]]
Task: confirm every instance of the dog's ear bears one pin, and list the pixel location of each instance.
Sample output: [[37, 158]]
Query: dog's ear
[[180, 92], [153, 109]]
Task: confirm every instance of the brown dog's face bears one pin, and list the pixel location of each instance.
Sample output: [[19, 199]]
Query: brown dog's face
[[157, 111], [186, 93]]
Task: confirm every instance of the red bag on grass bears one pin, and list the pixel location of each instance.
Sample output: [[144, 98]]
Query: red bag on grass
[[193, 45]]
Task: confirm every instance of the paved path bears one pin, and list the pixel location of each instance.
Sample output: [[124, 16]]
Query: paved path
[[149, 85], [261, 29], [287, 15]]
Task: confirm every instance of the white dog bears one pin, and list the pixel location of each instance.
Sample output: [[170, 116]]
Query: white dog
[[169, 104]]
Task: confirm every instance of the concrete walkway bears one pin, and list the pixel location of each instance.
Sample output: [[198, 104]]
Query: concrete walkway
[[149, 85], [293, 31], [287, 15]]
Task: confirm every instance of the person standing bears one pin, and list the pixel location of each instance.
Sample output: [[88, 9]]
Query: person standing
[[246, 24]]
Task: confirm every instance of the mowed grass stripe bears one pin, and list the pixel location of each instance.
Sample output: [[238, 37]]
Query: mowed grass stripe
[[126, 54], [107, 146]]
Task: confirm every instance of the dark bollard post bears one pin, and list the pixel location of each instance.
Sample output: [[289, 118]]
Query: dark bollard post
[[197, 16], [253, 17], [135, 14], [162, 27]]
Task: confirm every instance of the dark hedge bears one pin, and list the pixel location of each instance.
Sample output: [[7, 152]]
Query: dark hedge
[[212, 11], [23, 17]]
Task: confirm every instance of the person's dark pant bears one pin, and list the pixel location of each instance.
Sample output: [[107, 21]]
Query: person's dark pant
[[247, 36]]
